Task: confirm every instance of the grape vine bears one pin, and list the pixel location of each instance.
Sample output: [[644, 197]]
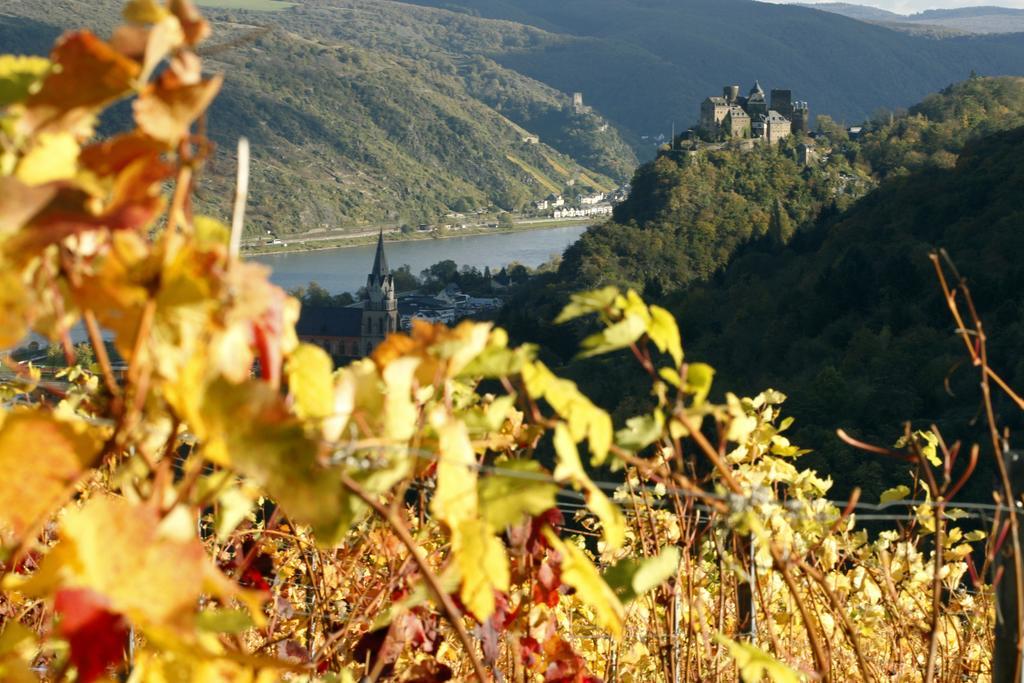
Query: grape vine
[[426, 514]]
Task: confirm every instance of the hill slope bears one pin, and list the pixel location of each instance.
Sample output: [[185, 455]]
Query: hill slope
[[850, 322], [962, 19], [644, 63], [348, 131]]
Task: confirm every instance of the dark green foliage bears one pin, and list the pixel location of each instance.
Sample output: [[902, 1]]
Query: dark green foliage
[[846, 317], [314, 294], [849, 320]]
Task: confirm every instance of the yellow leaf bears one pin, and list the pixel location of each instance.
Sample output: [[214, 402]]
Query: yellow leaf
[[455, 499], [664, 332], [121, 551], [569, 468], [53, 157], [483, 565], [898, 493], [310, 382], [580, 573], [515, 490], [754, 663], [166, 112], [144, 11], [248, 428], [399, 408], [40, 457], [15, 307]]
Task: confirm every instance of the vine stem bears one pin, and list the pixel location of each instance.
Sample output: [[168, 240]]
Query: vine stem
[[450, 610], [813, 635]]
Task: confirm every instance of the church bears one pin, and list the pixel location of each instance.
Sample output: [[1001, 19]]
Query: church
[[355, 331]]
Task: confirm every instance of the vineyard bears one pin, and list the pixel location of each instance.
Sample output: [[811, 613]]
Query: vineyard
[[448, 509]]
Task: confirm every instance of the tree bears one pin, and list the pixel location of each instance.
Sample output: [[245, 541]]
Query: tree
[[405, 281]]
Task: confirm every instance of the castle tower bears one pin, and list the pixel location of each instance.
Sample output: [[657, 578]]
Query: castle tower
[[577, 102], [756, 104], [801, 117], [782, 102], [731, 93], [380, 310]]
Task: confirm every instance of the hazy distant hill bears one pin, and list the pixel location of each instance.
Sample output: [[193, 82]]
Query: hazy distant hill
[[862, 12], [959, 20], [645, 63]]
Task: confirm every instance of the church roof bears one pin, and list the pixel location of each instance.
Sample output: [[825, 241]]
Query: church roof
[[380, 261], [756, 90], [330, 321]]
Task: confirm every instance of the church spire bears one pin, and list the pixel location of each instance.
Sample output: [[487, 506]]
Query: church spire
[[380, 261]]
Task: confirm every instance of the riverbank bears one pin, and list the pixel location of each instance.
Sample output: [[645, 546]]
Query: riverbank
[[393, 235], [345, 270]]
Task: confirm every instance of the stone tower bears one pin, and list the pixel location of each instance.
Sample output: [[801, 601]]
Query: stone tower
[[756, 104], [577, 103], [380, 310]]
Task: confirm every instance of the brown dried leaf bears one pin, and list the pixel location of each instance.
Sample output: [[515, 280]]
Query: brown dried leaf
[[167, 109], [91, 74]]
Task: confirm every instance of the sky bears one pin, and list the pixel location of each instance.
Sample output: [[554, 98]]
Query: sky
[[911, 6]]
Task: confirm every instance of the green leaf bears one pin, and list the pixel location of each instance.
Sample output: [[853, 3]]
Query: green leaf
[[20, 77], [616, 336], [506, 498], [898, 493], [754, 663], [585, 303], [976, 535], [699, 377], [310, 383], [496, 361], [664, 332], [631, 578], [641, 431]]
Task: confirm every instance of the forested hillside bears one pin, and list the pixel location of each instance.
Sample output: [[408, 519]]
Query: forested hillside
[[847, 316], [645, 64], [690, 211], [349, 129], [849, 319], [387, 112]]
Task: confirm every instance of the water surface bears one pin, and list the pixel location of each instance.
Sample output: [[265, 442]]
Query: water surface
[[345, 270]]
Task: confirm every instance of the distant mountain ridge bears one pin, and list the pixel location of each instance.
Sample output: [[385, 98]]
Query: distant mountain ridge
[[645, 63], [987, 19]]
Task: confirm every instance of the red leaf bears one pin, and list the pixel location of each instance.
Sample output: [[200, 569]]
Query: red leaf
[[97, 636]]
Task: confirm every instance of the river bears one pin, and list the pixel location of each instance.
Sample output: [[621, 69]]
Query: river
[[345, 270]]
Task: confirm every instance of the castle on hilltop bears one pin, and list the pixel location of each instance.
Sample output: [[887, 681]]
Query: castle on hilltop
[[733, 116]]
